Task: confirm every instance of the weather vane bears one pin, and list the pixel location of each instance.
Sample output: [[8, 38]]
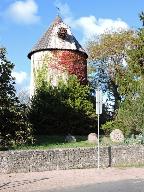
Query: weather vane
[[58, 11]]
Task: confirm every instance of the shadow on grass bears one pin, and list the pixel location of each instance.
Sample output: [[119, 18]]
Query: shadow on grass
[[45, 139], [48, 142]]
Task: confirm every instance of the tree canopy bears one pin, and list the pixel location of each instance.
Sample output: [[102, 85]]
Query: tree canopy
[[14, 126], [67, 108], [130, 116], [107, 56]]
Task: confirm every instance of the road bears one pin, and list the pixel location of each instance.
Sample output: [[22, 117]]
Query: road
[[119, 186], [77, 180]]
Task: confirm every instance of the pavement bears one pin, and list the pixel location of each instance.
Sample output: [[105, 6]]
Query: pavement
[[77, 180]]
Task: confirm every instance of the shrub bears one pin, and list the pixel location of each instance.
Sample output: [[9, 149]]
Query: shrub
[[67, 108]]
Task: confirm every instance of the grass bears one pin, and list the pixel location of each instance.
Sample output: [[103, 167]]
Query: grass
[[51, 142], [129, 165]]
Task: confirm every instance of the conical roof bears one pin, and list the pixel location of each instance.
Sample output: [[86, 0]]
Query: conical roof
[[51, 40]]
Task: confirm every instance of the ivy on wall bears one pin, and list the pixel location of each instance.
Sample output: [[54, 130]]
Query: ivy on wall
[[75, 64], [68, 62]]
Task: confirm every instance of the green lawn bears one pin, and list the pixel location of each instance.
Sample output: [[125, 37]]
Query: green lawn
[[50, 142]]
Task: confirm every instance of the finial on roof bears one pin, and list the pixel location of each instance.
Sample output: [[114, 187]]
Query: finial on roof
[[58, 11]]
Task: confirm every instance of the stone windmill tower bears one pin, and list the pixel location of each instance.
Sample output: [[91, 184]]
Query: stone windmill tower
[[61, 53]]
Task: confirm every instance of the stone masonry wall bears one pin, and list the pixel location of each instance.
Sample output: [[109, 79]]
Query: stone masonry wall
[[60, 64], [54, 159]]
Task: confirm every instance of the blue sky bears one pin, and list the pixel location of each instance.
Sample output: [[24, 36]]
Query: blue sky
[[23, 22]]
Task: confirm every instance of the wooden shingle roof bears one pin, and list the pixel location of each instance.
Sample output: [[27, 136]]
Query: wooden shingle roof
[[51, 40]]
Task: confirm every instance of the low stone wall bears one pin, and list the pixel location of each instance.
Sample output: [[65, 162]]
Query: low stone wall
[[54, 159]]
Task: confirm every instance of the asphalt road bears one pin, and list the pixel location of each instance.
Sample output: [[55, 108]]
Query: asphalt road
[[136, 185]]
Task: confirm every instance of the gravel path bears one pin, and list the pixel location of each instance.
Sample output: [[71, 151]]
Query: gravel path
[[62, 179]]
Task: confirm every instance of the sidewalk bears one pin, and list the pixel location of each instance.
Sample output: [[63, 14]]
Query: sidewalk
[[50, 180]]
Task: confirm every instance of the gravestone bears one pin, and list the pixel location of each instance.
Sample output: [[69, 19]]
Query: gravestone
[[70, 138], [92, 138], [117, 136]]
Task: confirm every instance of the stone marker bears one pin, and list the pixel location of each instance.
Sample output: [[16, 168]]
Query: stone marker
[[117, 136], [70, 138], [92, 138]]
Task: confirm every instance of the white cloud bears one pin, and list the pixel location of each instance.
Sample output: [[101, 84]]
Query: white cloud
[[92, 26], [20, 76], [23, 12]]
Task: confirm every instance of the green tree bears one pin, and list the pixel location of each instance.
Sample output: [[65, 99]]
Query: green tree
[[67, 108], [130, 116], [14, 127], [107, 54]]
